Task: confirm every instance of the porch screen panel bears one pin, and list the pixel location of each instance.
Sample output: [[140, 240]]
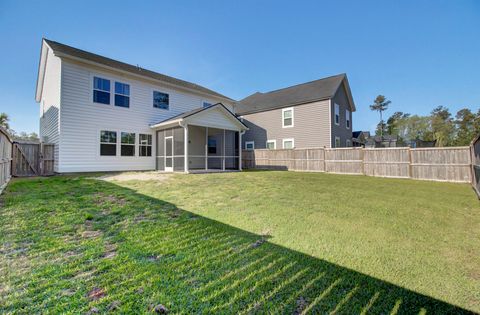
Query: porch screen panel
[[179, 142], [231, 150], [196, 147], [215, 148], [231, 163], [160, 150]]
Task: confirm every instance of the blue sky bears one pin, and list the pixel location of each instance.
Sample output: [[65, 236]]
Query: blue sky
[[420, 54]]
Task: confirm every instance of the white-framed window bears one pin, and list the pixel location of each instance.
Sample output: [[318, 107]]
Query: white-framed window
[[288, 143], [206, 104], [337, 142], [271, 144], [161, 100], [101, 90], [122, 94], [337, 114], [249, 145], [349, 143], [287, 117], [347, 118], [127, 144], [145, 145], [108, 143]]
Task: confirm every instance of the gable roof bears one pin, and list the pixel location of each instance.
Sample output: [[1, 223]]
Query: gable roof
[[182, 116], [60, 50], [308, 92]]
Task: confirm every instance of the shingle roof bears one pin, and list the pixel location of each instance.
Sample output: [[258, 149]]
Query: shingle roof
[[195, 111], [294, 95], [82, 54]]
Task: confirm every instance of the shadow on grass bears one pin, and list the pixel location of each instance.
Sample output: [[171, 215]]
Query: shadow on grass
[[65, 237]]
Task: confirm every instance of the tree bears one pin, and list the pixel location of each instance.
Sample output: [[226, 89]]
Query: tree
[[415, 127], [465, 127], [381, 128], [4, 119], [442, 126], [380, 104], [23, 136], [394, 121]]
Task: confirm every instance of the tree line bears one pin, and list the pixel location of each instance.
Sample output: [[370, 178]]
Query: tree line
[[440, 126], [4, 122]]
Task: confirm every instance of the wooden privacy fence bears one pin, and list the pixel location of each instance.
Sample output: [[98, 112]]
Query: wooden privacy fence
[[450, 164], [32, 159], [475, 152], [5, 158]]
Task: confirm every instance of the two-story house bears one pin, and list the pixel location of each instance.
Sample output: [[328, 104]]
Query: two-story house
[[106, 115], [312, 114]]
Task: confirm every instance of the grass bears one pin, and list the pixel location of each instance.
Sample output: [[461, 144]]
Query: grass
[[251, 242]]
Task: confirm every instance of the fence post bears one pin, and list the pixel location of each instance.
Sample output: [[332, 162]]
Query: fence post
[[363, 160], [410, 173]]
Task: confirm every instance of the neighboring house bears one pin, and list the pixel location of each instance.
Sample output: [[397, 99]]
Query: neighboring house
[[312, 114], [359, 138], [106, 115], [386, 141]]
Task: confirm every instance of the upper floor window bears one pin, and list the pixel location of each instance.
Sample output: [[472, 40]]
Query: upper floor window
[[101, 90], [287, 117], [145, 147], [122, 94], [108, 143], [206, 104], [160, 100], [347, 118], [127, 147], [337, 114], [249, 145]]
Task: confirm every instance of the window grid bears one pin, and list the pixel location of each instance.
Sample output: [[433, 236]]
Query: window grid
[[101, 90]]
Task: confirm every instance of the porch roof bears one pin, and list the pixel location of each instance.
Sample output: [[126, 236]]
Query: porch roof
[[203, 116]]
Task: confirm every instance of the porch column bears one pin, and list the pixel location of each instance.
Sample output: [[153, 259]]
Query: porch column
[[206, 148], [223, 152], [239, 150], [185, 150]]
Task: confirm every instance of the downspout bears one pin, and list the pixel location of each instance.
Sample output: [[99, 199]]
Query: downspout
[[184, 125]]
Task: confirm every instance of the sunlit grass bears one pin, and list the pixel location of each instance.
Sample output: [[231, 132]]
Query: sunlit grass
[[252, 242]]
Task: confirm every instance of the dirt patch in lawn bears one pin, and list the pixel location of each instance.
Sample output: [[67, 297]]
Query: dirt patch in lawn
[[127, 176]]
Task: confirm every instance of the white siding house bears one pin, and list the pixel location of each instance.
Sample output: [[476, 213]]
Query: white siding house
[[72, 120]]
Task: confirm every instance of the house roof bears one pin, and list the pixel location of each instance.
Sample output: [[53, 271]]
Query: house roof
[[308, 92], [195, 111], [60, 49]]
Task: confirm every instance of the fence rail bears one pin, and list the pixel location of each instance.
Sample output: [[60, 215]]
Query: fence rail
[[5, 158], [451, 164], [32, 159]]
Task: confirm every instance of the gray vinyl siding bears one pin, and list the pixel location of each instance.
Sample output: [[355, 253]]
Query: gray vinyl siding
[[341, 130], [311, 126]]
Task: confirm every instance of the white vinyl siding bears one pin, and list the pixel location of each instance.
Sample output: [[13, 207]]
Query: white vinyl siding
[[82, 119]]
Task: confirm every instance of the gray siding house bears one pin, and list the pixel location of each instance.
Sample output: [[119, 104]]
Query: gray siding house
[[312, 114]]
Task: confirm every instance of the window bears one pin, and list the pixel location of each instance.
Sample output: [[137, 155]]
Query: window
[[288, 143], [271, 144], [127, 147], [122, 94], [145, 145], [337, 142], [287, 117], [337, 114], [249, 145], [206, 104], [212, 145], [349, 143], [347, 118], [101, 90], [160, 100], [108, 143]]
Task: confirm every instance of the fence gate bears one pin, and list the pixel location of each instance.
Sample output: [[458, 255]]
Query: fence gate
[[475, 147], [32, 159]]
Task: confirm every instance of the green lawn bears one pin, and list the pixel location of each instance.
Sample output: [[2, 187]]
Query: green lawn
[[251, 242]]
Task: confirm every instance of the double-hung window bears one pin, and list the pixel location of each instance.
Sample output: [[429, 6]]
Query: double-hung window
[[288, 143], [127, 147], [145, 146], [108, 143], [337, 142], [271, 144], [122, 94], [287, 117], [347, 118], [101, 90], [249, 145], [160, 100], [337, 114]]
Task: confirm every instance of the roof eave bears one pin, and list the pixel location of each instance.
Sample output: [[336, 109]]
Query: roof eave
[[286, 105]]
